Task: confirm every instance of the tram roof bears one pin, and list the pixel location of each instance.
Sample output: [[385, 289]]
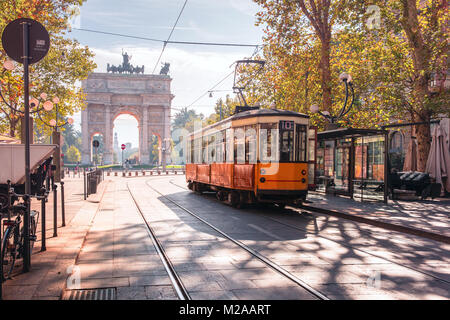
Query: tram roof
[[265, 112]]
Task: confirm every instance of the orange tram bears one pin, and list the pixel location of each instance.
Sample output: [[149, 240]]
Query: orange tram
[[254, 156]]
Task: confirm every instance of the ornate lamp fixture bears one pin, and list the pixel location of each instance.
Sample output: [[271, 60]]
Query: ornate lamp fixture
[[347, 80]]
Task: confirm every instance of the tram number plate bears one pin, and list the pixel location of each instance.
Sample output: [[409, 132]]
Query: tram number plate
[[287, 125]]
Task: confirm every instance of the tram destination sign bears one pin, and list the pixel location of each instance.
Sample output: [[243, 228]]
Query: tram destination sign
[[286, 125], [38, 40]]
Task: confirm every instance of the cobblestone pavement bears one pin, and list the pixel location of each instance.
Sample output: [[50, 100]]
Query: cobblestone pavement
[[428, 215], [341, 258], [48, 274], [105, 244]]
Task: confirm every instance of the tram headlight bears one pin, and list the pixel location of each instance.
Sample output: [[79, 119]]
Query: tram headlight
[[304, 172], [262, 180], [303, 180]]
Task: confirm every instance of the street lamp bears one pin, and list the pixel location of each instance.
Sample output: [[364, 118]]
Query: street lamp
[[56, 135], [36, 105], [348, 81]]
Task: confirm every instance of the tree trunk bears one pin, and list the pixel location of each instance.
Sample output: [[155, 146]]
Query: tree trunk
[[423, 136], [326, 75], [420, 54], [12, 128]]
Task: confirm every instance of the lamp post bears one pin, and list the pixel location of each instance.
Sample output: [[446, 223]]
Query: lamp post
[[332, 120], [32, 106], [56, 135]]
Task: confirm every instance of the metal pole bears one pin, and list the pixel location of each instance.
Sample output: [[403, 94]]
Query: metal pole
[[26, 220], [386, 167], [84, 182], [43, 233], [63, 211], [55, 210]]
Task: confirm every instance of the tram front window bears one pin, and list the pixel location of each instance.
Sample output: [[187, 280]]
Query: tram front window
[[287, 146]]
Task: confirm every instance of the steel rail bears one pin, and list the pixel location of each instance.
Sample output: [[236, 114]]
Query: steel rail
[[254, 253], [344, 245], [180, 289]]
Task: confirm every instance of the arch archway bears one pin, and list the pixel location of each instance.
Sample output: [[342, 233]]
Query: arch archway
[[147, 98], [126, 131]]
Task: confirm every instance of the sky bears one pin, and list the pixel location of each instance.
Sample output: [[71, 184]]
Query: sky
[[193, 68]]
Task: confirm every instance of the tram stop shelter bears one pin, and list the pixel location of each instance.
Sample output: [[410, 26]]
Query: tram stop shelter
[[352, 162]]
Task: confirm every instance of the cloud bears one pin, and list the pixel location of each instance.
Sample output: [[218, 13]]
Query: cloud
[[247, 7]]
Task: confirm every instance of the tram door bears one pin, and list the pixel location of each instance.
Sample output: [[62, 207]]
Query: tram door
[[312, 157]]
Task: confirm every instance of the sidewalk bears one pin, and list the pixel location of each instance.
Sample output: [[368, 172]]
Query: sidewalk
[[428, 216], [48, 274]]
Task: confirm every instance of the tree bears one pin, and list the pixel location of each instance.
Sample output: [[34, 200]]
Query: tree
[[225, 108], [185, 119], [57, 74], [292, 25], [415, 34], [71, 136], [72, 155]]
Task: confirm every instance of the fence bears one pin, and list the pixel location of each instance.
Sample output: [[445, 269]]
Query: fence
[[91, 180]]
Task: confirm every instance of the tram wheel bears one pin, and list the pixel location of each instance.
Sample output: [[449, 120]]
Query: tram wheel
[[234, 199], [221, 195], [190, 186]]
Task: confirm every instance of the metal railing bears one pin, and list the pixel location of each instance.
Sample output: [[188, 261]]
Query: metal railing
[[92, 179]]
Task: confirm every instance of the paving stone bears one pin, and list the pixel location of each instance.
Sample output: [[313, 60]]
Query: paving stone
[[289, 293], [160, 293], [131, 293]]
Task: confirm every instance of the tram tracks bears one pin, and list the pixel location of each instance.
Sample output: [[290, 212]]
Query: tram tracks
[[342, 244], [177, 284], [180, 289]]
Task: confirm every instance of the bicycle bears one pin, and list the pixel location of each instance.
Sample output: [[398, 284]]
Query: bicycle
[[14, 235]]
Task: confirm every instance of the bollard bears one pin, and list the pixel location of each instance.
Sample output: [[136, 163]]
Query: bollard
[[63, 211], [55, 210], [136, 173], [115, 174], [151, 173], [43, 246]]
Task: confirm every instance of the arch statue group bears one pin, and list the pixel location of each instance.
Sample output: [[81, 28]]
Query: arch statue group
[[108, 95]]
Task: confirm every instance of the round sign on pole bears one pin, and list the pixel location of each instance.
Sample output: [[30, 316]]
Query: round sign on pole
[[95, 143], [122, 146], [39, 40]]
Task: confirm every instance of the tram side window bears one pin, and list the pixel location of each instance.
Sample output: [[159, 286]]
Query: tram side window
[[239, 145], [250, 144], [197, 152], [268, 142], [229, 148], [300, 133], [220, 146], [211, 148], [204, 158]]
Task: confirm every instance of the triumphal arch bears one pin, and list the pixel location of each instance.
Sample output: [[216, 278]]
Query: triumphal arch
[[108, 95]]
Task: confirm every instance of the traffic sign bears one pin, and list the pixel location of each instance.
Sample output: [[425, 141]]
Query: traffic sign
[[38, 45], [122, 147]]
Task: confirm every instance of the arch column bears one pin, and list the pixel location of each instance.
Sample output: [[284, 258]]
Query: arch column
[[107, 137], [86, 145], [144, 144]]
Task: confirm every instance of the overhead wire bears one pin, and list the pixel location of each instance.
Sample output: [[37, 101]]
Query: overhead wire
[[224, 44], [226, 77], [168, 38]]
